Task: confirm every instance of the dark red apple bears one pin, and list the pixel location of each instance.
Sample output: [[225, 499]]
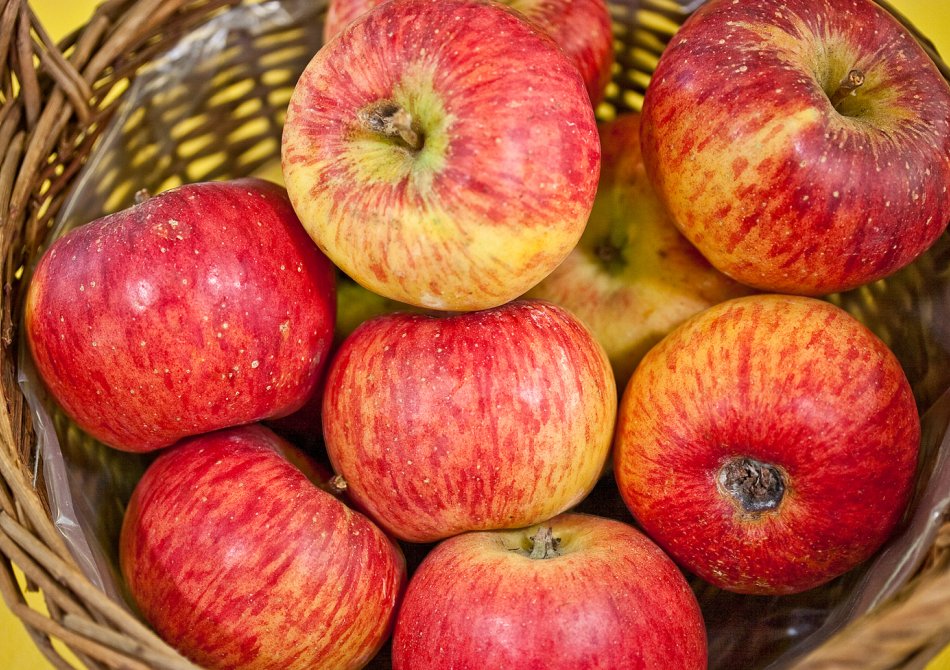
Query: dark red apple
[[442, 153], [201, 308], [582, 28], [802, 145], [493, 419], [769, 444], [576, 592], [239, 561]]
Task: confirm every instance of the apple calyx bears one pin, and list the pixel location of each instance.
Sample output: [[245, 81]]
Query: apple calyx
[[847, 87], [544, 544], [391, 120], [755, 486], [607, 252]]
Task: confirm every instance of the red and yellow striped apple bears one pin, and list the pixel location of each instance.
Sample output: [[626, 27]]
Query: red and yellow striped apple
[[442, 153], [492, 419], [578, 591], [201, 308], [239, 561], [802, 145], [632, 277], [581, 28], [769, 444]]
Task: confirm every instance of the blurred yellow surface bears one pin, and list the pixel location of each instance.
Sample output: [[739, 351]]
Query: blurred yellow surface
[[17, 651]]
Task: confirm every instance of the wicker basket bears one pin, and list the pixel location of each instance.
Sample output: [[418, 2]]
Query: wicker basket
[[63, 105]]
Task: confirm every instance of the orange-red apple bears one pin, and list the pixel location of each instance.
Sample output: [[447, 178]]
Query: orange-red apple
[[769, 444]]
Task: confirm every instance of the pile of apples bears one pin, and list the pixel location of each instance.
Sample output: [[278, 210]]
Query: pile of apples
[[445, 154]]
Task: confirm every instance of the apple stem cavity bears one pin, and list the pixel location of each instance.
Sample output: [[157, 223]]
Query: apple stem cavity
[[544, 544], [756, 486], [390, 120], [847, 87]]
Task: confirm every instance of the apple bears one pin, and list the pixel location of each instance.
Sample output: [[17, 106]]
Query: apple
[[578, 591], [769, 444], [442, 154], [238, 560], [200, 308], [582, 28], [356, 304], [802, 145], [632, 277], [493, 419]]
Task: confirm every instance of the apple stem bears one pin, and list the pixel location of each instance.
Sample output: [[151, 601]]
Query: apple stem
[[755, 486], [544, 544], [142, 195], [389, 119], [336, 485], [848, 86]]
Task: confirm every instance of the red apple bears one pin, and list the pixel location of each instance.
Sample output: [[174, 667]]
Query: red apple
[[442, 153], [582, 28], [769, 444], [802, 145], [632, 277], [356, 304], [577, 592], [238, 560], [201, 308], [493, 419]]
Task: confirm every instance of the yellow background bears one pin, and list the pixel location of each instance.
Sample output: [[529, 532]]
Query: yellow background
[[16, 649]]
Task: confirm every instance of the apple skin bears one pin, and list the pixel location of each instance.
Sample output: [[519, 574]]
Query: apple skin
[[201, 308], [238, 560], [582, 28], [792, 382], [477, 421], [356, 304], [773, 184], [501, 188], [609, 599], [632, 277]]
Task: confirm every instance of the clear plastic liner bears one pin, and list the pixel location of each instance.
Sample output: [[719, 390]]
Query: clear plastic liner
[[88, 484]]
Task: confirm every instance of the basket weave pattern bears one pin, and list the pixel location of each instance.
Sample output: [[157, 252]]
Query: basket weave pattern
[[57, 101]]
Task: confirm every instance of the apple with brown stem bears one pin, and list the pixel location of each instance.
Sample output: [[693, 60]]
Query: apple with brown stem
[[802, 145], [442, 154], [238, 560], [577, 591]]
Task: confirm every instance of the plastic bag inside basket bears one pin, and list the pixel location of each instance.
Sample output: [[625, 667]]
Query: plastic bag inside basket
[[213, 107]]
